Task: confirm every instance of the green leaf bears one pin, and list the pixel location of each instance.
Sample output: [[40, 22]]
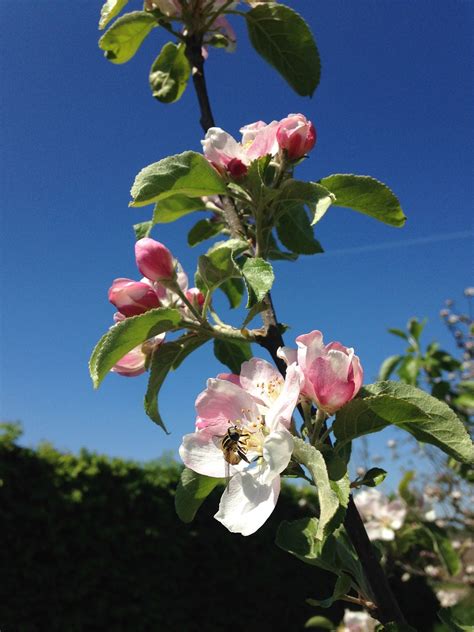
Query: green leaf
[[192, 491], [283, 39], [127, 334], [218, 264], [373, 477], [204, 229], [443, 547], [415, 327], [259, 277], [188, 174], [366, 195], [311, 458], [232, 353], [335, 553], [295, 192], [398, 332], [173, 208], [296, 233], [299, 539], [320, 622], [170, 73], [447, 616], [409, 370], [122, 40], [428, 419], [234, 290], [166, 357], [142, 230], [109, 10], [388, 366], [342, 587]]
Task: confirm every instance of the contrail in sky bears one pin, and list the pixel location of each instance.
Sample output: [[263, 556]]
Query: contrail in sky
[[429, 239]]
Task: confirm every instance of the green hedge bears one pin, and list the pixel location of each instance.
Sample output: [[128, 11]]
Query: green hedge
[[93, 543]]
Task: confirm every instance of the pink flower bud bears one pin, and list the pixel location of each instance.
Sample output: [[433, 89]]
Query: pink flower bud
[[132, 297], [133, 363], [154, 260], [296, 135], [333, 374], [195, 297]]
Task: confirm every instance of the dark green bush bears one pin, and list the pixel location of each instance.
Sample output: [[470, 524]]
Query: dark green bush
[[93, 543]]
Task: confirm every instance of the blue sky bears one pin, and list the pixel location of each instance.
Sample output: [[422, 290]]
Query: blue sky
[[395, 102]]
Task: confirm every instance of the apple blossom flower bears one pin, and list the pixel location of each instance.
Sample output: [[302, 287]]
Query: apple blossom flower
[[381, 516], [448, 598], [133, 363], [357, 622], [333, 373], [132, 297], [296, 135], [154, 260], [256, 406]]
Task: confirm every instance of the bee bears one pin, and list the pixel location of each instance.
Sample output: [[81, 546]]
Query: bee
[[234, 445]]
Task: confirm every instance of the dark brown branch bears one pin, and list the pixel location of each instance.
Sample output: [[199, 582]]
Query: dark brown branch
[[196, 60], [271, 339]]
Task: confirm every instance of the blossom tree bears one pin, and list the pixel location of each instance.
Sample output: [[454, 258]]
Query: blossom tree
[[247, 435]]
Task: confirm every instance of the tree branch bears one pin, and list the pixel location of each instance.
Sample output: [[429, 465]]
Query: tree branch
[[271, 339]]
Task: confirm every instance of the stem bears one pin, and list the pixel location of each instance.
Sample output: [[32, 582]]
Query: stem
[[271, 339], [195, 58]]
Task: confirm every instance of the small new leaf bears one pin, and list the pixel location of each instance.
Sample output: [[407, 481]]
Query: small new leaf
[[109, 10], [170, 73], [188, 174], [259, 277], [373, 477], [122, 40], [365, 195], [192, 491], [284, 40]]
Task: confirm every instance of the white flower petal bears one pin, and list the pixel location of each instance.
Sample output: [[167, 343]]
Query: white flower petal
[[288, 354], [281, 410], [277, 450], [200, 451], [246, 504], [261, 379]]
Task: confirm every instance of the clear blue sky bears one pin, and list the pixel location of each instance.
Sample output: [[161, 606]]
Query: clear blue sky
[[395, 102]]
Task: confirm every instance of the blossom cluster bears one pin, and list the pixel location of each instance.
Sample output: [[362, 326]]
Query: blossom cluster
[[164, 283], [291, 138], [243, 425], [219, 26]]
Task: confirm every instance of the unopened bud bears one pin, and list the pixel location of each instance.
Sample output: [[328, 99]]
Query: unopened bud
[[296, 135], [154, 260]]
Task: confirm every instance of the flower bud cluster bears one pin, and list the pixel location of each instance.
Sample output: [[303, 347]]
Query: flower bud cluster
[[220, 33], [289, 139], [163, 280]]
